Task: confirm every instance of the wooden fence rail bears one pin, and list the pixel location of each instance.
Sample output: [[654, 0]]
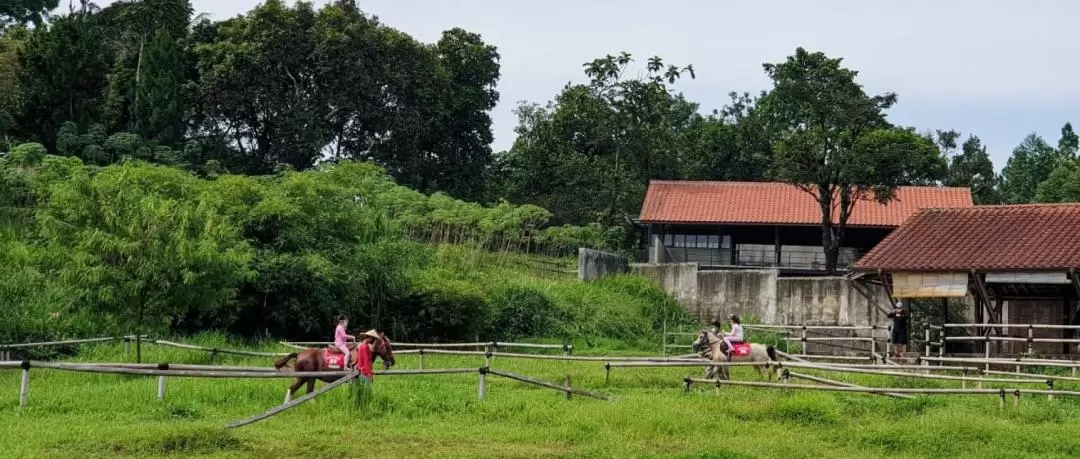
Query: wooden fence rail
[[277, 409], [539, 382], [875, 390]]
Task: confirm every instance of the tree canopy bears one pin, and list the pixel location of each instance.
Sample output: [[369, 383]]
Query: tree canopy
[[834, 142]]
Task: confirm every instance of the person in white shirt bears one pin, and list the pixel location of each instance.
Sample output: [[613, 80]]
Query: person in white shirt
[[736, 335]]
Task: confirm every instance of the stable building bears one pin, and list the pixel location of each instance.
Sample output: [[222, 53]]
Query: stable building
[[724, 225], [1020, 264]]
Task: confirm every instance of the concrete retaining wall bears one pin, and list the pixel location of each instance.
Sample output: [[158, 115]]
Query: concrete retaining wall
[[594, 264], [714, 294]]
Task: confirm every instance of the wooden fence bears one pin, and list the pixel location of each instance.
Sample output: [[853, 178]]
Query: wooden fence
[[874, 341]]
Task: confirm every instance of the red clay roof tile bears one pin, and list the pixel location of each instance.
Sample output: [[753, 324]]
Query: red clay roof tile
[[780, 203], [1019, 237]]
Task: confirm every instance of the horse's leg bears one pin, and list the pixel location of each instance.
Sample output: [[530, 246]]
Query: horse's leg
[[292, 389]]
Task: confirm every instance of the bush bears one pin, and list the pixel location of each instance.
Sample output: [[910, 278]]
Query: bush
[[520, 311], [440, 310]]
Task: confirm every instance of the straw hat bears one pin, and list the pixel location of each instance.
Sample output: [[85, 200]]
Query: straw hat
[[372, 334]]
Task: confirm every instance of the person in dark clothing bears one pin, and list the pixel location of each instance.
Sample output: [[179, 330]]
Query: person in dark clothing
[[899, 330]]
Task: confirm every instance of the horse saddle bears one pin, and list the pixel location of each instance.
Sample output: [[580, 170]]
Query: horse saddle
[[334, 358], [740, 349]]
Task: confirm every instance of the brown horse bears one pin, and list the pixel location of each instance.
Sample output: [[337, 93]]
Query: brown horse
[[315, 360]]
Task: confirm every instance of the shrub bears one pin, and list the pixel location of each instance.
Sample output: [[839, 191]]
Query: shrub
[[520, 311], [440, 310]]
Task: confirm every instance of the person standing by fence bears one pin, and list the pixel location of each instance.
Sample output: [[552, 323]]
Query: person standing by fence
[[365, 354], [899, 330]]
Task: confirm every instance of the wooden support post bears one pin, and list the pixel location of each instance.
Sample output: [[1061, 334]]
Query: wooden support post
[[1030, 340], [926, 345], [803, 341], [421, 358], [24, 388], [483, 383], [986, 352], [569, 388], [127, 345], [1049, 386], [963, 382], [1016, 401], [607, 373], [1001, 406], [663, 344]]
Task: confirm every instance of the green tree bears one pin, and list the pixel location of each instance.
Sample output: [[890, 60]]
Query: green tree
[[587, 156], [11, 93], [25, 12], [146, 244], [972, 168], [1030, 164], [63, 75], [258, 90], [154, 32], [835, 143]]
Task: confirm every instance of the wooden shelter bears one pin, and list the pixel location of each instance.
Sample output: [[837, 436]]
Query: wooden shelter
[[1020, 264], [767, 224]]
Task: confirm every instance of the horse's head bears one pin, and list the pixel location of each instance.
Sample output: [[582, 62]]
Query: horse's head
[[701, 341], [705, 339], [385, 350]]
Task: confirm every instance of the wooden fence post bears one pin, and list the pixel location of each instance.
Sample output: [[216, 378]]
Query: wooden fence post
[[24, 388], [607, 373], [663, 342], [483, 383], [421, 358], [161, 381], [127, 345], [568, 387]]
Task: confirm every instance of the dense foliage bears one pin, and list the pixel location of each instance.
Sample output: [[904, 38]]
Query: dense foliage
[[137, 246]]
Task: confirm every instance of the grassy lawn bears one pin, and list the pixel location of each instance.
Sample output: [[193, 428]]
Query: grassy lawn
[[91, 415]]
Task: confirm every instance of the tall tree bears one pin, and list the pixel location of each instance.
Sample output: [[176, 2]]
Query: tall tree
[[588, 155], [835, 143], [151, 93], [1069, 142], [257, 87], [972, 168], [12, 42], [1031, 163], [63, 75]]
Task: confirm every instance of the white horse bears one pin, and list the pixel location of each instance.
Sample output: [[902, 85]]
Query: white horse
[[717, 353]]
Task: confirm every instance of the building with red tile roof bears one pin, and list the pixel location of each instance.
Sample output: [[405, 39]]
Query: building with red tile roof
[[1020, 263], [1035, 237], [768, 224]]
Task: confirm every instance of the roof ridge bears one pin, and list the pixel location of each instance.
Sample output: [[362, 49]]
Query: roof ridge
[[775, 183], [1034, 205]]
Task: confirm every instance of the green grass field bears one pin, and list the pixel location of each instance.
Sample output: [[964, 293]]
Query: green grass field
[[92, 415]]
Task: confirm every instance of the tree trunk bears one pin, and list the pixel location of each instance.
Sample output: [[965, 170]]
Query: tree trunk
[[828, 237], [138, 74]]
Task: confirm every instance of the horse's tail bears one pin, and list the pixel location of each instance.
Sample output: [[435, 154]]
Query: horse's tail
[[771, 350], [284, 360]]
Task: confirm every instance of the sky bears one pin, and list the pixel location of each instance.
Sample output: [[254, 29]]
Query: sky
[[994, 68]]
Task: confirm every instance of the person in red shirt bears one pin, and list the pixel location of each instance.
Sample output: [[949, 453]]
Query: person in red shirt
[[365, 354]]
